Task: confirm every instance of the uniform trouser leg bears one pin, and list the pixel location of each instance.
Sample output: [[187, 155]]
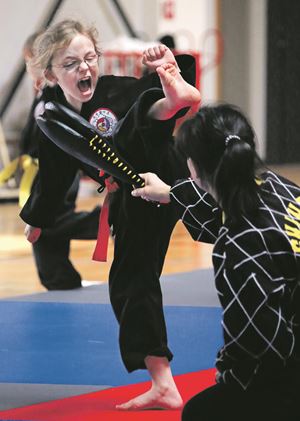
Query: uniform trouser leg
[[140, 247], [51, 252], [54, 267]]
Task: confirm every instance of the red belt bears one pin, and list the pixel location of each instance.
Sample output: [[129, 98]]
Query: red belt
[[100, 252]]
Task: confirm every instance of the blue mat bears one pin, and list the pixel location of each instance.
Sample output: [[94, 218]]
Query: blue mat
[[63, 343]]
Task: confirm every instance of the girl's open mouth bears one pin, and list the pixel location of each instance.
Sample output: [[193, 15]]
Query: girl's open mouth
[[85, 84]]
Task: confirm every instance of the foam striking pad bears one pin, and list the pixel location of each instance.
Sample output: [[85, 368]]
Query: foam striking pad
[[77, 137]]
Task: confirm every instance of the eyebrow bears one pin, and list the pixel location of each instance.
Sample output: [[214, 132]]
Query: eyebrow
[[76, 57]]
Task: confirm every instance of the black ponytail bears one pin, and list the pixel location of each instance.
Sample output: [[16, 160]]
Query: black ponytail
[[220, 142], [234, 180]]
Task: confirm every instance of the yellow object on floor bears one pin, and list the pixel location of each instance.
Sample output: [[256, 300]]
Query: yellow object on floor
[[29, 166]]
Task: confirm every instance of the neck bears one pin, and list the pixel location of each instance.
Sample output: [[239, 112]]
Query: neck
[[76, 105]]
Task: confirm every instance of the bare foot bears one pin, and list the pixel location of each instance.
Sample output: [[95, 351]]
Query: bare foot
[[178, 93], [164, 398]]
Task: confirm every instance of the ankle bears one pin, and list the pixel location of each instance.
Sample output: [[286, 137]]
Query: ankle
[[167, 390]]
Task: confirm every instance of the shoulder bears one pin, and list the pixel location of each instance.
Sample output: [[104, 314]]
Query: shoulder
[[272, 181], [49, 93], [277, 192]]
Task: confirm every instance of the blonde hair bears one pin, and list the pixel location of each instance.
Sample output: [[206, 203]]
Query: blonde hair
[[28, 46], [59, 36], [35, 72]]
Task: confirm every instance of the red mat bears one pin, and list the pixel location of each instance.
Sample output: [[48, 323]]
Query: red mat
[[100, 405]]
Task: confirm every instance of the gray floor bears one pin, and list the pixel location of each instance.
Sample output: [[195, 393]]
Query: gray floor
[[194, 288], [17, 395]]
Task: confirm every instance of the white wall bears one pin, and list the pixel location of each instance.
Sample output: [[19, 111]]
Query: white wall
[[257, 81], [191, 27], [243, 25], [16, 23]]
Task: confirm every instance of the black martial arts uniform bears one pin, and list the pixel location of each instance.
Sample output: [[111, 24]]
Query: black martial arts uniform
[[142, 230], [257, 275], [51, 252]]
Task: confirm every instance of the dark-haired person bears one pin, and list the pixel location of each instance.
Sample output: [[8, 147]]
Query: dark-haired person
[[252, 216]]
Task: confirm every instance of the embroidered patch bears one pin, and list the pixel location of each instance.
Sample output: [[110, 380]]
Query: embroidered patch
[[104, 120]]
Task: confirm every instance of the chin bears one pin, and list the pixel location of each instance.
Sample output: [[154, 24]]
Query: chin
[[86, 97]]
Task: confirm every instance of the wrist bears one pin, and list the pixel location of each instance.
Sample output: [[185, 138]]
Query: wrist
[[165, 196]]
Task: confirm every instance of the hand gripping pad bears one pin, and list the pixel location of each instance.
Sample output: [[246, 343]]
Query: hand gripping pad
[[77, 137]]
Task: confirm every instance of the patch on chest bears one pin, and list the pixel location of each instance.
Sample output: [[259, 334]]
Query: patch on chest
[[104, 120]]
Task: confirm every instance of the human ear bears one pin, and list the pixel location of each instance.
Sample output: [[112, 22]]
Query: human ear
[[50, 76], [194, 175], [192, 169]]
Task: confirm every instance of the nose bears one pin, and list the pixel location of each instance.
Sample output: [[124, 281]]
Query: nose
[[83, 64]]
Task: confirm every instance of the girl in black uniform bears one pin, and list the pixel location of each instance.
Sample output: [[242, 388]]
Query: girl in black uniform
[[69, 54], [253, 218]]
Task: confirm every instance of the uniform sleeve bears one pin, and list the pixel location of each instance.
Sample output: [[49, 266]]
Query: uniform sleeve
[[56, 174], [197, 209], [254, 298]]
